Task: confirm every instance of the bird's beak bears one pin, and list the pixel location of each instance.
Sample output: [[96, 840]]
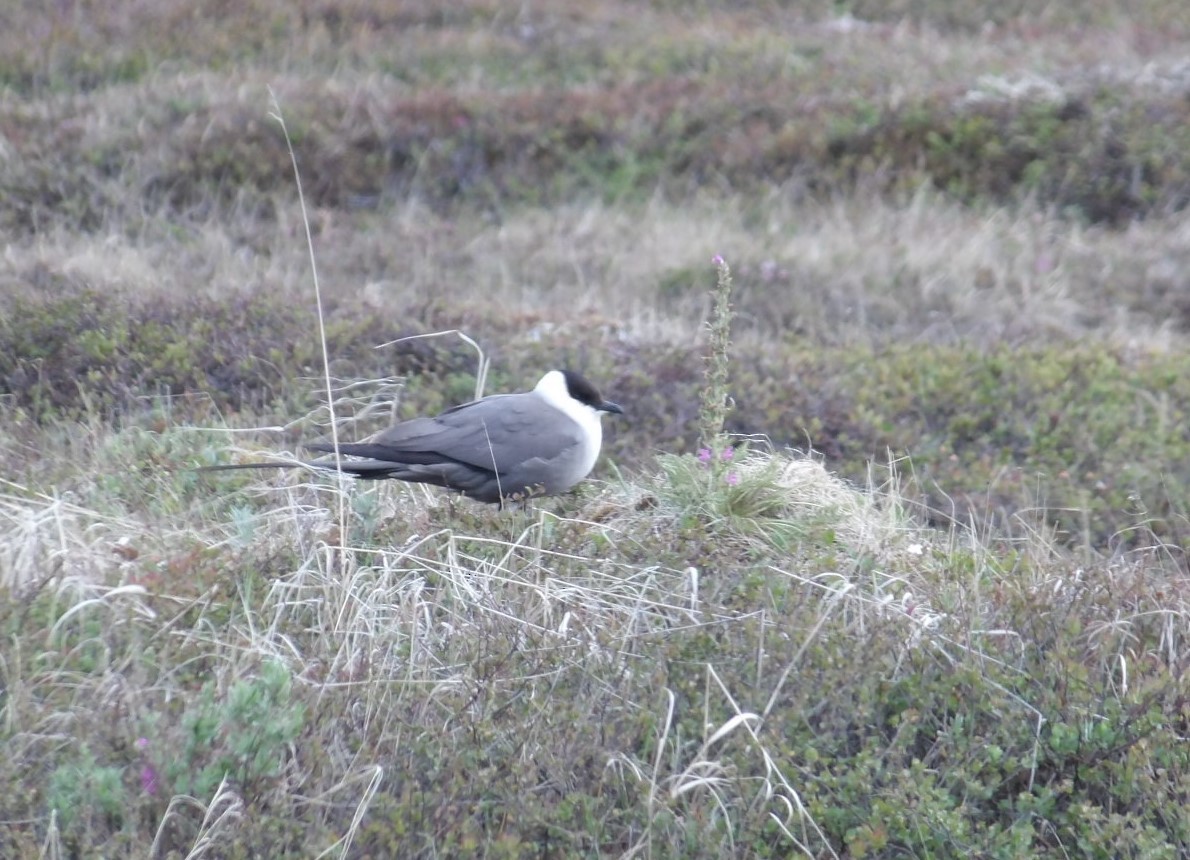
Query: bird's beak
[[608, 406]]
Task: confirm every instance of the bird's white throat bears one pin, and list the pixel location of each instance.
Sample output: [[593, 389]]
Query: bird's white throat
[[553, 391]]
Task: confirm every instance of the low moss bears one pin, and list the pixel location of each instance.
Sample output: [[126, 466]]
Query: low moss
[[1098, 153], [68, 349]]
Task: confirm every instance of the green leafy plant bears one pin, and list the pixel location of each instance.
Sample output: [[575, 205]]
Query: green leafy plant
[[243, 737], [83, 788]]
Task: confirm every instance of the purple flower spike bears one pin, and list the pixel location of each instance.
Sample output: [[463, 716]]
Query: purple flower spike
[[732, 479], [704, 455], [717, 260], [148, 779], [728, 453]]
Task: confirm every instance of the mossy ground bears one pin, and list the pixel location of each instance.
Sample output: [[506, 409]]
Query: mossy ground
[[958, 239]]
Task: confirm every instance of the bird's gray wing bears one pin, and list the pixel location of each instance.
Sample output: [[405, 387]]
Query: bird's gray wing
[[495, 434]]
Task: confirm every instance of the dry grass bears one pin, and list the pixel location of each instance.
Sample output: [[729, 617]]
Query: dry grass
[[563, 654], [839, 273]]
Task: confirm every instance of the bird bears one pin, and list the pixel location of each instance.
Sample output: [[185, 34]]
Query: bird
[[499, 448]]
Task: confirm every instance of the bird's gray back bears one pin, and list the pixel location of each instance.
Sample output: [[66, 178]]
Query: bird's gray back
[[502, 445], [493, 433]]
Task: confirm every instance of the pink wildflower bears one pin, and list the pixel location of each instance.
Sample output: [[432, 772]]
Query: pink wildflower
[[148, 779], [148, 773]]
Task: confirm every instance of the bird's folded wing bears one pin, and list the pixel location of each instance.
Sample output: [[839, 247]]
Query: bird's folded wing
[[492, 434]]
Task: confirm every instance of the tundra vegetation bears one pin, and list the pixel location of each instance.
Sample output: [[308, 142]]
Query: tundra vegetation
[[888, 559]]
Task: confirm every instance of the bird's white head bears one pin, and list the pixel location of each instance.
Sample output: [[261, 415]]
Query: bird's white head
[[566, 390], [580, 401], [570, 393]]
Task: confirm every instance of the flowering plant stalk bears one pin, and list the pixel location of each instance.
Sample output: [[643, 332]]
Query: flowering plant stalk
[[716, 401]]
